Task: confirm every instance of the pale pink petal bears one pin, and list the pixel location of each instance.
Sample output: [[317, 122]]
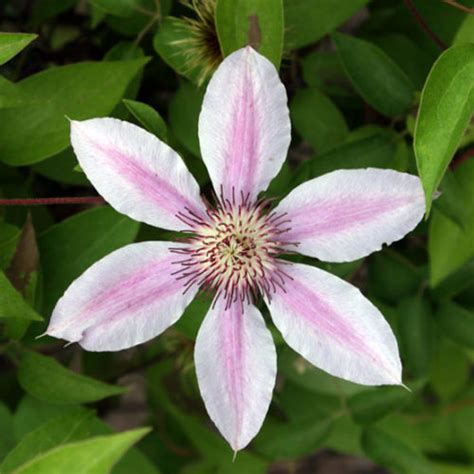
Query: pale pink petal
[[348, 214], [331, 324], [244, 126], [236, 369], [139, 175], [127, 298]]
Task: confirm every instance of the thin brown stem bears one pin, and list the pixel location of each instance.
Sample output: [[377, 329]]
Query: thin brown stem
[[52, 201], [421, 21], [459, 6]]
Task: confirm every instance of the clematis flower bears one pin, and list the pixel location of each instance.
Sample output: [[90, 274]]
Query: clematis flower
[[234, 249]]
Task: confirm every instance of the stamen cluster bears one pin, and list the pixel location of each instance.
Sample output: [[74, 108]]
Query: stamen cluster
[[234, 251]]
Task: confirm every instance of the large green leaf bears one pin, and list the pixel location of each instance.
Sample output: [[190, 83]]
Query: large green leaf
[[377, 150], [307, 21], [457, 323], [34, 417], [377, 78], [7, 438], [92, 456], [60, 430], [394, 454], [287, 440], [12, 43], [12, 304], [317, 119], [447, 105], [184, 111], [415, 330], [67, 249], [371, 405], [46, 379], [258, 23], [450, 245], [40, 129]]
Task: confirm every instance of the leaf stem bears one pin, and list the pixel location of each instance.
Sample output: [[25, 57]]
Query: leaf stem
[[52, 201], [421, 21], [459, 6]]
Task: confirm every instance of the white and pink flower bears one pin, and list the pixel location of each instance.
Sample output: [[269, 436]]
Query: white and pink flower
[[233, 249]]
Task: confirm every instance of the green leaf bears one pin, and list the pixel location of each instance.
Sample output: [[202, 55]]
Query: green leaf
[[302, 373], [321, 67], [371, 405], [148, 117], [317, 119], [415, 331], [289, 440], [394, 454], [376, 150], [58, 431], [412, 59], [450, 370], [452, 203], [9, 235], [12, 43], [46, 379], [12, 304], [191, 320], [457, 323], [32, 414], [93, 456], [447, 104], [456, 283], [38, 130], [60, 168], [115, 7], [450, 245], [392, 276], [258, 23], [307, 21], [389, 91], [42, 10], [67, 249], [465, 33], [7, 439], [184, 109]]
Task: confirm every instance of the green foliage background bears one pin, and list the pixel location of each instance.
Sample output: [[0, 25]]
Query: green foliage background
[[367, 87]]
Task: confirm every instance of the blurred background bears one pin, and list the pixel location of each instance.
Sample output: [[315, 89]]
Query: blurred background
[[354, 71]]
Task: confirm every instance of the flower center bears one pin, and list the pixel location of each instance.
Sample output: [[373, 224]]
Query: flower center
[[234, 252]]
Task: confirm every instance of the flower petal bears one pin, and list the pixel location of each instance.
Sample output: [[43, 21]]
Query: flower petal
[[244, 126], [236, 369], [348, 214], [124, 299], [136, 173], [331, 324]]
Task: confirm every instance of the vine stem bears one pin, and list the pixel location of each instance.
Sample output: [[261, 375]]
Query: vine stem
[[421, 21], [52, 201], [459, 6]]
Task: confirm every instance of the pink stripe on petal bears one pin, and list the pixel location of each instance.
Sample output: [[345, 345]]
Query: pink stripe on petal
[[348, 214], [244, 126], [126, 298], [136, 173], [236, 369], [330, 323], [244, 141], [148, 183], [335, 216]]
